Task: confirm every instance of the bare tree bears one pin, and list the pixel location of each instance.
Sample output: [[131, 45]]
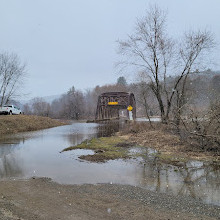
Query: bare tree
[[194, 45], [152, 52], [40, 107], [202, 128], [75, 103], [26, 109], [70, 105], [143, 98], [12, 72]]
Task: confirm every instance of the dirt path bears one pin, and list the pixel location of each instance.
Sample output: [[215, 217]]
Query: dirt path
[[43, 199]]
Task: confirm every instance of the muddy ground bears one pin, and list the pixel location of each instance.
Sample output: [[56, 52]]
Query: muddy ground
[[40, 198]]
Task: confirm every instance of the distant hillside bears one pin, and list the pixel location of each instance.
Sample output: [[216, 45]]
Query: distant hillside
[[48, 99], [208, 74]]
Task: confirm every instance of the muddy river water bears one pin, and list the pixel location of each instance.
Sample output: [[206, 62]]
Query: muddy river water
[[38, 154]]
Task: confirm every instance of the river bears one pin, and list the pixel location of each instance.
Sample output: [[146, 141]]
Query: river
[[29, 154]]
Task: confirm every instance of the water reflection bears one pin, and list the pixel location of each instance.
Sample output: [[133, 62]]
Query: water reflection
[[106, 129], [9, 164], [195, 179], [37, 154]]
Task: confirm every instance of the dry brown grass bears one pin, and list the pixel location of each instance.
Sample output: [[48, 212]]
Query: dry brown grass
[[162, 138], [10, 124]]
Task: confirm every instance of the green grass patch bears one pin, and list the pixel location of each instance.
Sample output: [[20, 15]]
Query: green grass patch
[[171, 159], [105, 148]]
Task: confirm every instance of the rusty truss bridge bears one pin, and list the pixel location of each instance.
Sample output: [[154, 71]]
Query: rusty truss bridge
[[110, 103]]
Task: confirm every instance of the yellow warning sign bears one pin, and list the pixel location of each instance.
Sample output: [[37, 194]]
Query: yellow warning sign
[[129, 108], [112, 103]]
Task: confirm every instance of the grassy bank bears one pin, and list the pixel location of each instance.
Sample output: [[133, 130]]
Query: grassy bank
[[10, 124], [105, 148], [171, 148]]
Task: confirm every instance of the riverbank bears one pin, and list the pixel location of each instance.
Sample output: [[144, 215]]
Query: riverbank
[[10, 124], [170, 147], [42, 199]]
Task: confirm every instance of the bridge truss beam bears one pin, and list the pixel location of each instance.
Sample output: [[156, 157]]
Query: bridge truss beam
[[110, 103]]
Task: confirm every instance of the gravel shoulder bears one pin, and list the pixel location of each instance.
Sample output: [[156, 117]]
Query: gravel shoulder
[[40, 198]]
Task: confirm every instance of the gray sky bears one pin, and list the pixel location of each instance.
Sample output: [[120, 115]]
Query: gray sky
[[73, 42]]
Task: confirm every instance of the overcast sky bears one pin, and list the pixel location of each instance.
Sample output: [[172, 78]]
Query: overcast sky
[[69, 43]]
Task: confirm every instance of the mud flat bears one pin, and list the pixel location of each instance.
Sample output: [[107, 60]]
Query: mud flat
[[40, 198]]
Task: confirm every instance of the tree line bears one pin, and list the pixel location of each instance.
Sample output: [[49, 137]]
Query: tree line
[[202, 91], [74, 104]]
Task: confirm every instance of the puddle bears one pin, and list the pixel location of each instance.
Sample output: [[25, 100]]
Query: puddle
[[37, 154], [80, 152]]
